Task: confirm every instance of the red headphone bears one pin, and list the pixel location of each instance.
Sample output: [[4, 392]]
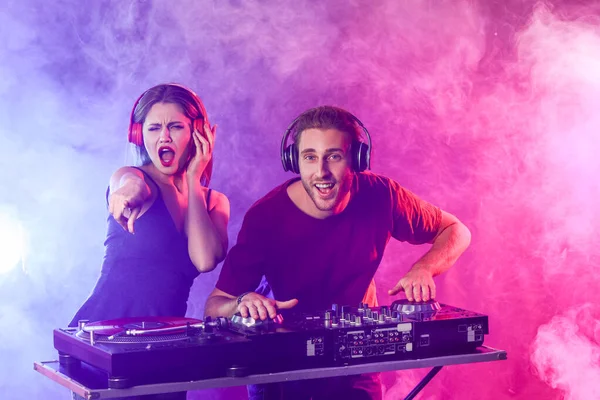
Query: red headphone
[[135, 128]]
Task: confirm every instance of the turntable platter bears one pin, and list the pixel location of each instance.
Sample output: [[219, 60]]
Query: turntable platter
[[124, 329]]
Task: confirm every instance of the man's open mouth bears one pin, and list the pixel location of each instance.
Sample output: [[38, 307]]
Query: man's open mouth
[[324, 188]]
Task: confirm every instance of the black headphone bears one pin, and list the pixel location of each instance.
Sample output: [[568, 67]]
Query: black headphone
[[360, 151]]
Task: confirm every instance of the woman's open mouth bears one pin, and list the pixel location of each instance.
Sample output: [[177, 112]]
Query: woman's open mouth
[[166, 155]]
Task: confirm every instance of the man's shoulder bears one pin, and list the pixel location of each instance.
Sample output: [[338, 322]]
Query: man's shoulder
[[375, 181], [379, 188], [270, 201]]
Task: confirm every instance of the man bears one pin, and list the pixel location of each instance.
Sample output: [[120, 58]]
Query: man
[[319, 240]]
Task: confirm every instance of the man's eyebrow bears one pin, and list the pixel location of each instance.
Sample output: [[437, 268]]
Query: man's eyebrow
[[331, 150]]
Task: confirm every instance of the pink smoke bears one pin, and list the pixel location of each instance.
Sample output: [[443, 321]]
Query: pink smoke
[[566, 352]]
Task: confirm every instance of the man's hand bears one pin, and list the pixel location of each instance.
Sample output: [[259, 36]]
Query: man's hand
[[259, 307], [417, 285]]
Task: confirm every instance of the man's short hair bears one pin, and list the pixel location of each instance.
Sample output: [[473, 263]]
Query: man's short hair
[[326, 117]]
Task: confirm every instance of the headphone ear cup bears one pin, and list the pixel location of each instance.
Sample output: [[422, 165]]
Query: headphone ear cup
[[360, 156], [294, 158], [290, 159], [285, 159], [135, 134]]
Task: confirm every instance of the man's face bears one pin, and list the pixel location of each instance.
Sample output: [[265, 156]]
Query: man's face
[[326, 167]]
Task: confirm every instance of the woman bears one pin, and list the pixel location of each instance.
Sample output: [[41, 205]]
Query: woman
[[165, 226]]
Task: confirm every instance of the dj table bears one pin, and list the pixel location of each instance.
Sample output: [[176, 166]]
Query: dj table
[[151, 355], [90, 386]]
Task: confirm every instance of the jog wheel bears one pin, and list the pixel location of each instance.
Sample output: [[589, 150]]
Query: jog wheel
[[250, 322], [416, 310]]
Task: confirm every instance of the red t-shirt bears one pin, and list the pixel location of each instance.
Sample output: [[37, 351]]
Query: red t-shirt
[[324, 261]]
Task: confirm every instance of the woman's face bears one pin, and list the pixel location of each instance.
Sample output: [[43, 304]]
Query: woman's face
[[167, 135]]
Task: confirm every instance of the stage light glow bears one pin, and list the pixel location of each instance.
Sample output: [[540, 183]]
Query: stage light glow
[[12, 247]]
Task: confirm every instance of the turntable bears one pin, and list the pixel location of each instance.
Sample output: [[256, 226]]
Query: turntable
[[135, 351]]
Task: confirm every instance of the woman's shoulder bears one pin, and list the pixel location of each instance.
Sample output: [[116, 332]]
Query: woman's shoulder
[[115, 178], [216, 199], [121, 171]]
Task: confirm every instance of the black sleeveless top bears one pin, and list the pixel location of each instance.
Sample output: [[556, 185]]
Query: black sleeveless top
[[148, 273]]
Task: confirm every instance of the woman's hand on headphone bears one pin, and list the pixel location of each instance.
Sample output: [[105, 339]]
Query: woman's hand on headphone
[[203, 154]]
